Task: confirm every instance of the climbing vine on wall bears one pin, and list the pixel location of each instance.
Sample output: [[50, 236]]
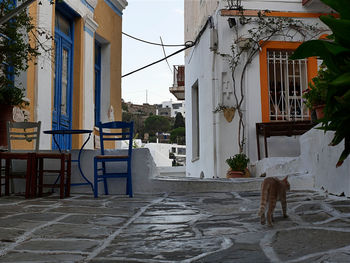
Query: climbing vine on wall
[[249, 36]]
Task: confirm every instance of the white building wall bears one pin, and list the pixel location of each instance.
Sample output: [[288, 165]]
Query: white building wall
[[43, 91], [198, 68], [160, 153], [219, 138], [90, 27], [320, 160]]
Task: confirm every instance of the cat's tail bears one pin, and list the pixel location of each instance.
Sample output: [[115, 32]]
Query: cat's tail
[[263, 201]]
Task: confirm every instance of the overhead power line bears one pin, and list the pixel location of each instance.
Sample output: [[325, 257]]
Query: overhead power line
[[188, 44], [153, 43], [173, 54], [165, 55]]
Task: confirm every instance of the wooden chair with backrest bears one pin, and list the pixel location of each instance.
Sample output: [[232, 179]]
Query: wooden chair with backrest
[[105, 164], [23, 143]]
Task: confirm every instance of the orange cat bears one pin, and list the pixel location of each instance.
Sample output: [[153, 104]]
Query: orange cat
[[273, 190]]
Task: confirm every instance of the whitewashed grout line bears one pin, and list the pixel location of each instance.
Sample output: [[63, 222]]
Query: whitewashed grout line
[[111, 237], [266, 246], [14, 203], [52, 252], [226, 243], [123, 259], [63, 239], [27, 234], [331, 251], [238, 196], [53, 206], [266, 243]]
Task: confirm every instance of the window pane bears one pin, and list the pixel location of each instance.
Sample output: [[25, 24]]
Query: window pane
[[64, 81], [62, 24], [287, 79], [195, 122]]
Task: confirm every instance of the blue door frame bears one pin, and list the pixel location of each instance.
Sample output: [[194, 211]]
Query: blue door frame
[[63, 81], [97, 83]]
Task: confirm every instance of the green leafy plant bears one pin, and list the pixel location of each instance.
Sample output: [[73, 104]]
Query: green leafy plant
[[12, 96], [317, 93], [335, 53], [238, 162], [178, 136], [19, 44]]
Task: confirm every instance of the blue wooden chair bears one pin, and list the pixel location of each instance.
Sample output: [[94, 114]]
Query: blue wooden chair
[[113, 131]]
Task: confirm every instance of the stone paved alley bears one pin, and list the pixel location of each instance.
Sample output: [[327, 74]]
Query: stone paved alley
[[198, 227]]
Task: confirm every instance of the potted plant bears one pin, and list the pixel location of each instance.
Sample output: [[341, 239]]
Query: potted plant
[[238, 166], [17, 48], [315, 96], [229, 112]]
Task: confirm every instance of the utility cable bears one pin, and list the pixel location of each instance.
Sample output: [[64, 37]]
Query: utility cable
[[153, 43], [188, 44], [160, 60], [161, 40]]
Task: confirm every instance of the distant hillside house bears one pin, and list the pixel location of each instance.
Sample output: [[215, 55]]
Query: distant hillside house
[[171, 108]]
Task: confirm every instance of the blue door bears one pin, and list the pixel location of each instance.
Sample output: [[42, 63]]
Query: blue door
[[63, 79], [97, 82]]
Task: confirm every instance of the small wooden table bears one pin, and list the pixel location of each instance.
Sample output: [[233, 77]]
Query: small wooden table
[[55, 133], [280, 128]]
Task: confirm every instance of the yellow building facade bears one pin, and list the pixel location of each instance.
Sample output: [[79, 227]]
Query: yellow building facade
[[77, 83]]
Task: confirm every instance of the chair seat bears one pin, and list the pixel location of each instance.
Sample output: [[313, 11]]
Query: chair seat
[[112, 157]]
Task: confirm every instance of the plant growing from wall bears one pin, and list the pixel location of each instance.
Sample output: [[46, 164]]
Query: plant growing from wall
[[246, 46], [19, 44], [335, 53]]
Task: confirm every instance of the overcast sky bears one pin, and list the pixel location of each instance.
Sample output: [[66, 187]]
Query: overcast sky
[[150, 20]]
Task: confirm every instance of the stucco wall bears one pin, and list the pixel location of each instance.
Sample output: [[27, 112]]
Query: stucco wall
[[218, 138], [110, 28], [320, 160]]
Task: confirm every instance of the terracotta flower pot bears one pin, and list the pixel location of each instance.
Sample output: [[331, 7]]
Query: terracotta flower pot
[[234, 174], [319, 111], [229, 113], [6, 114]]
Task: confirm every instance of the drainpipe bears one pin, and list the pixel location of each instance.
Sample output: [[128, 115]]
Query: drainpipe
[[215, 117], [215, 100]]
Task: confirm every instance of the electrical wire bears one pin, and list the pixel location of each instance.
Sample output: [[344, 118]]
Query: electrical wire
[[188, 44], [161, 40], [160, 60], [153, 43]]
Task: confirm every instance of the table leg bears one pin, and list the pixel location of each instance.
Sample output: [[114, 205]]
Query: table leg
[[41, 176], [0, 174], [34, 175], [257, 140], [28, 177], [69, 174], [265, 142], [7, 177], [81, 171], [54, 139], [62, 175]]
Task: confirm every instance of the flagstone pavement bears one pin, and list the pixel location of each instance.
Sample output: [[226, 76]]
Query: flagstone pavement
[[174, 227]]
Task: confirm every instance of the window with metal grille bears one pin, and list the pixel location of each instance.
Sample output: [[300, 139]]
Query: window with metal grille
[[287, 80]]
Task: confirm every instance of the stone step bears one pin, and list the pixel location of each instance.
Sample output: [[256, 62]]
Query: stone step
[[189, 184]]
